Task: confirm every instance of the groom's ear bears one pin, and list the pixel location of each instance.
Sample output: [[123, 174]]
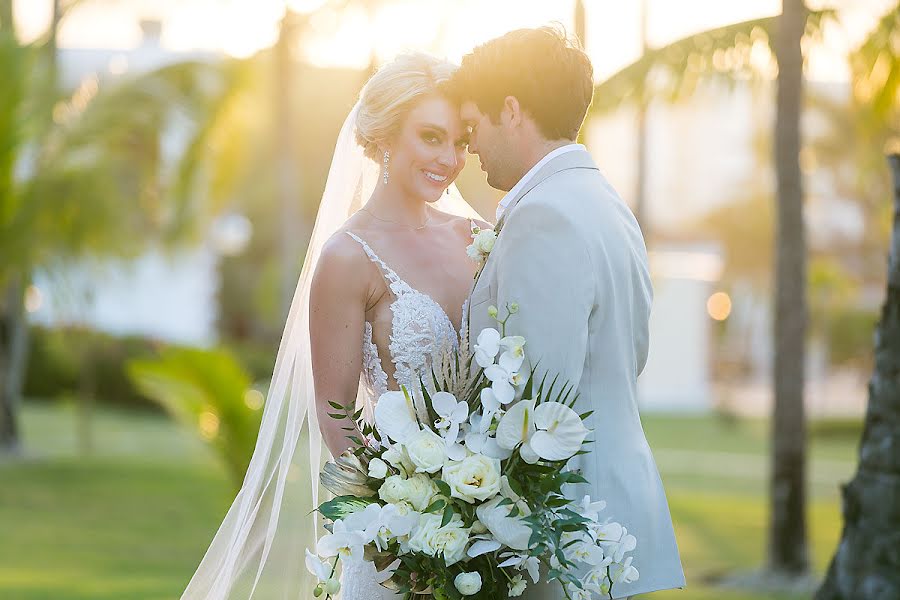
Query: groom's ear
[[511, 113]]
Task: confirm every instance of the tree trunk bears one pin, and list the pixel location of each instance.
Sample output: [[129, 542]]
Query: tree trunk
[[12, 366], [787, 528], [286, 160], [866, 565]]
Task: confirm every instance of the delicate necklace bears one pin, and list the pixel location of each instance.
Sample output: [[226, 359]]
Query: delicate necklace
[[412, 227]]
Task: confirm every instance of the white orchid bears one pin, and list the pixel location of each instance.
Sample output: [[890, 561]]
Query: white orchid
[[595, 581], [452, 414], [395, 416], [624, 572], [522, 561], [315, 566], [504, 377], [615, 540], [483, 543], [482, 443], [486, 347], [490, 405], [515, 349], [589, 509], [550, 431], [343, 542], [393, 522]]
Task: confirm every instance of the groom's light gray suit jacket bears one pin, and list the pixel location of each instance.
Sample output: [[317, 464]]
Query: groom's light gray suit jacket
[[571, 254]]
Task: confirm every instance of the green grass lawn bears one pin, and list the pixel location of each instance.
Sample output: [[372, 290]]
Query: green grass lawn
[[133, 519]]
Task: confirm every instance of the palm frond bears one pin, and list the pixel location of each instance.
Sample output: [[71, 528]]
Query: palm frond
[[728, 54], [876, 67]]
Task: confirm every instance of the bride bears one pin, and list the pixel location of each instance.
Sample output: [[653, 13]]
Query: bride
[[382, 292]]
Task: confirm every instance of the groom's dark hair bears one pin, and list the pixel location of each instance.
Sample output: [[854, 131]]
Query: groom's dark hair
[[550, 76]]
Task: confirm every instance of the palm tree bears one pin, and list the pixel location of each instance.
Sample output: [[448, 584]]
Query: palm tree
[[787, 495], [724, 53], [66, 165]]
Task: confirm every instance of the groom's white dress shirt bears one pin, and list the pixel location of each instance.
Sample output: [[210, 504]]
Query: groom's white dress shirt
[[571, 254]]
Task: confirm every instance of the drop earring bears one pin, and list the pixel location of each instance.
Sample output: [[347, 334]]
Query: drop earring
[[387, 162]]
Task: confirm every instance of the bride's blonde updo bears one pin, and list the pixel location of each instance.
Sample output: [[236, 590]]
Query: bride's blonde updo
[[392, 92]]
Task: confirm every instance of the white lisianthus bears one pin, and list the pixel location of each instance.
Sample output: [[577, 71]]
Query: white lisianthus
[[474, 478], [517, 586], [448, 541], [468, 583], [378, 468], [427, 451]]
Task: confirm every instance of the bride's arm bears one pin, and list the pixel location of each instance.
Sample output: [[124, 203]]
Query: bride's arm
[[337, 307]]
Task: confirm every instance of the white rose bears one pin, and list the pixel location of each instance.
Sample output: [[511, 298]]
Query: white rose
[[484, 240], [420, 491], [432, 539], [473, 252], [378, 468], [468, 583], [516, 586], [474, 478], [422, 536], [427, 450], [417, 491], [393, 490]]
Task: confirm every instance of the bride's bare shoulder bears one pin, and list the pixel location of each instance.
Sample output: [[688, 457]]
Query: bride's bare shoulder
[[341, 256]]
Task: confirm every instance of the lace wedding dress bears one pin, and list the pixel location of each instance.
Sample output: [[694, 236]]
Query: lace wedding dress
[[421, 333]]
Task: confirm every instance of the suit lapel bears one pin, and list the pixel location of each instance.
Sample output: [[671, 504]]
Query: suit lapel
[[576, 159]]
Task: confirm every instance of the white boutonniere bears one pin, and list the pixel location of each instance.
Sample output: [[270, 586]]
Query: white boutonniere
[[482, 243]]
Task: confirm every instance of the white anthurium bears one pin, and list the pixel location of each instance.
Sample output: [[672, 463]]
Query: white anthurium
[[517, 427], [315, 566], [522, 561], [505, 377], [395, 416], [343, 542], [560, 431], [509, 531], [486, 347], [452, 414], [483, 544]]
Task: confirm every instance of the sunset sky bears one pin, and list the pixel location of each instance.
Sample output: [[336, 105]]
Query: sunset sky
[[444, 27]]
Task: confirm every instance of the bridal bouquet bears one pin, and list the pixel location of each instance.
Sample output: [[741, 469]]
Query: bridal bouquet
[[458, 490]]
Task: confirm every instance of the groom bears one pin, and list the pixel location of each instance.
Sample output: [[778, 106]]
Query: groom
[[571, 254]]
